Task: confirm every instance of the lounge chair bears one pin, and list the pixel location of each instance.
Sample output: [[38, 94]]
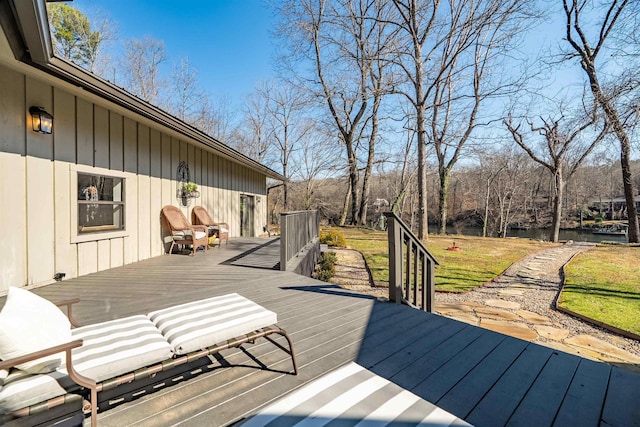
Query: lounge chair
[[199, 215], [352, 395], [183, 233], [100, 357]]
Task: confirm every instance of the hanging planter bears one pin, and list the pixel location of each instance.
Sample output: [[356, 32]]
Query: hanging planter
[[190, 190]]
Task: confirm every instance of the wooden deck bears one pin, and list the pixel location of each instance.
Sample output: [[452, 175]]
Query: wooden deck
[[486, 378]]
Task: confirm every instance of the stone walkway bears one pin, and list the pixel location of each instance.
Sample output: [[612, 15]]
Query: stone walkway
[[518, 303]]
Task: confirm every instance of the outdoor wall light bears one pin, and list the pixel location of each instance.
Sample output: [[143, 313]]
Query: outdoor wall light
[[41, 121]]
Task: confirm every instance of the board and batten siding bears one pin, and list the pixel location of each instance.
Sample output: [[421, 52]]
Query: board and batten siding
[[37, 175]]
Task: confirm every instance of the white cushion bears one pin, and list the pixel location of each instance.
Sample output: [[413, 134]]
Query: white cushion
[[117, 347], [109, 349], [29, 323], [22, 389], [183, 234], [200, 324], [222, 229]]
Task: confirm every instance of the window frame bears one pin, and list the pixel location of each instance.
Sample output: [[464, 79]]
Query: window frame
[[95, 234]]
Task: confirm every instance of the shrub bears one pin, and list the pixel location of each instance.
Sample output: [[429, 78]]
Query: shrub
[[326, 266], [332, 238]]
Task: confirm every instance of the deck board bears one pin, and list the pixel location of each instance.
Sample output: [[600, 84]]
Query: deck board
[[481, 376], [471, 389], [545, 396], [584, 400]]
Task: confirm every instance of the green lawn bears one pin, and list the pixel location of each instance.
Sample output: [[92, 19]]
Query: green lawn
[[478, 261], [604, 284]]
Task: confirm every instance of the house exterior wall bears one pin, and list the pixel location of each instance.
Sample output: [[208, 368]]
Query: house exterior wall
[[37, 174]]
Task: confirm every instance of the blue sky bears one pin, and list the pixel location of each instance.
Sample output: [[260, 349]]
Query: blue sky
[[228, 41]]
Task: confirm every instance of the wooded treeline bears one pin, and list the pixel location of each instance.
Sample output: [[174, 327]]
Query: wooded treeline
[[445, 111]]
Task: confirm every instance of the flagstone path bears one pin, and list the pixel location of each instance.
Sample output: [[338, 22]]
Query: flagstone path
[[518, 303]]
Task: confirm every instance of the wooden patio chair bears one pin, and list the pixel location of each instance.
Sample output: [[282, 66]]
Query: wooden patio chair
[[183, 233], [199, 215]]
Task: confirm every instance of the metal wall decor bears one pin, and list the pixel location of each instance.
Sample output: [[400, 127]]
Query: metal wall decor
[[185, 188]]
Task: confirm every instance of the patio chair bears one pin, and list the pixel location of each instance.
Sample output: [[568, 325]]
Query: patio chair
[[352, 395], [183, 233], [199, 215]]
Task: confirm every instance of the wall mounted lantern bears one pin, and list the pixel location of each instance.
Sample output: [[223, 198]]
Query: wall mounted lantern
[[41, 121]]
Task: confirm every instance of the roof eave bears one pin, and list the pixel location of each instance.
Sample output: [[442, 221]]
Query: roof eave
[[33, 27]]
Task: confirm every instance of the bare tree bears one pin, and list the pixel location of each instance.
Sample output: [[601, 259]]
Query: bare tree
[[314, 165], [342, 40], [186, 93], [616, 16], [417, 20], [285, 107], [449, 56], [141, 68], [254, 140], [564, 151]]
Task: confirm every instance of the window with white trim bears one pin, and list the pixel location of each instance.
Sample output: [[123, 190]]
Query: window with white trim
[[101, 203]]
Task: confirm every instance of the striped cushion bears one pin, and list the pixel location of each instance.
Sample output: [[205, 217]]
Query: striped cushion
[[352, 395], [118, 347], [197, 325], [22, 389]]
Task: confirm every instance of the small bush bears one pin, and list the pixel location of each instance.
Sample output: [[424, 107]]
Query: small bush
[[327, 266], [332, 238]]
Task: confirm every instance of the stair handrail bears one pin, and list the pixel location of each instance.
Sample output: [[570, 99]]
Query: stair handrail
[[421, 270]]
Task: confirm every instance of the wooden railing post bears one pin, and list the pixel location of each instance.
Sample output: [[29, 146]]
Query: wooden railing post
[[409, 257], [284, 255], [395, 259]]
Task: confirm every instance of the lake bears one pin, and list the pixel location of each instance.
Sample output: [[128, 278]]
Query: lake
[[541, 234]]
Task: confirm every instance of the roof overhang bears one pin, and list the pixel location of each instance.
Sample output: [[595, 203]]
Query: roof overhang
[[27, 29]]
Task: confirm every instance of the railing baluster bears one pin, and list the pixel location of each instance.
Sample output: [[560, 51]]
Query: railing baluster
[[407, 279], [431, 280], [416, 283]]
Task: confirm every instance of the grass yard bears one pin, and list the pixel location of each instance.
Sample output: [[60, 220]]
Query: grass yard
[[478, 261], [603, 284]]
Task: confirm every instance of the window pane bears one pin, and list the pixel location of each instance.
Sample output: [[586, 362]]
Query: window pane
[[93, 213], [102, 188]]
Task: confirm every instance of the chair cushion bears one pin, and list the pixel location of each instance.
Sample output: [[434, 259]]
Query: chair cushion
[[22, 389], [29, 323], [117, 347], [222, 229], [200, 324], [181, 235], [109, 349]]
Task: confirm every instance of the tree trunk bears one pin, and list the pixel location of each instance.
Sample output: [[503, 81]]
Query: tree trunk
[[285, 186], [625, 150], [486, 209], [423, 222], [345, 208], [353, 178], [443, 197], [557, 205], [366, 180]]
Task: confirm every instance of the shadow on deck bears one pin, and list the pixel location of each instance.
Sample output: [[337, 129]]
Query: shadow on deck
[[481, 376]]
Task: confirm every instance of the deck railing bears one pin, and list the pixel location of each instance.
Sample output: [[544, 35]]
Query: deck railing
[[297, 230], [411, 267]]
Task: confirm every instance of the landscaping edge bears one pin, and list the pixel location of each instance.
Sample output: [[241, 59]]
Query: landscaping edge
[[603, 325]]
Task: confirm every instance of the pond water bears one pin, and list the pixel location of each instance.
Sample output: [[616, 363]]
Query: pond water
[[541, 234]]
